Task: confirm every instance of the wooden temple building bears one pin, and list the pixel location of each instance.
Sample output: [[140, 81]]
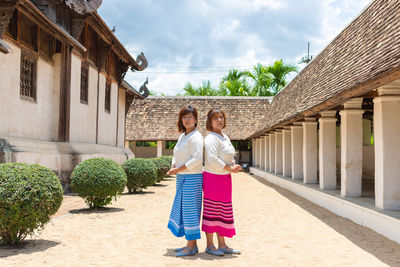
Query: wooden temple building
[[63, 94]]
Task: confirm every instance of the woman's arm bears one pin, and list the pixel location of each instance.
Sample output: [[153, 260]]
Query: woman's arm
[[196, 145], [212, 150]]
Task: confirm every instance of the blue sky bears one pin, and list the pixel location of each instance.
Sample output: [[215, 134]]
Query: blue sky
[[192, 41]]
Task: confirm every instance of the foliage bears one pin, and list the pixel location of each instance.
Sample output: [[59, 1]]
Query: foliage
[[266, 81], [141, 173], [170, 144], [279, 71], [167, 159], [29, 195], [162, 168], [147, 144], [204, 90], [261, 79], [234, 84], [98, 181]]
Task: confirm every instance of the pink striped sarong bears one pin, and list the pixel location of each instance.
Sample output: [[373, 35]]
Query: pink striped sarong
[[217, 204]]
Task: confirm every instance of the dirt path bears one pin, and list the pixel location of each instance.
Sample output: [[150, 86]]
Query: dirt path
[[274, 228]]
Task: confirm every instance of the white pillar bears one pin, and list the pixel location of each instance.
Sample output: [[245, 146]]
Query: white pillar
[[259, 151], [160, 145], [287, 152], [278, 152], [310, 151], [387, 147], [367, 124], [327, 150], [266, 149], [351, 148], [297, 152], [256, 153], [272, 152], [262, 154], [253, 147]]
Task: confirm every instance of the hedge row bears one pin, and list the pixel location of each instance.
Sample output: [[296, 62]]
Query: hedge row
[[30, 194]]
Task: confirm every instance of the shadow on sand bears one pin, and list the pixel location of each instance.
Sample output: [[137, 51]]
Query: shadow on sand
[[370, 241], [96, 210], [201, 255], [27, 247], [160, 185], [139, 193]]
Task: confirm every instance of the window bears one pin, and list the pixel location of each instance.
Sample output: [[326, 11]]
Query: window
[[84, 83], [12, 27], [28, 77], [28, 34], [107, 101], [46, 44], [92, 45]]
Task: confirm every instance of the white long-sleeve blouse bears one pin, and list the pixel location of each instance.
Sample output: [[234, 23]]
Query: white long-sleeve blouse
[[218, 153], [188, 151]]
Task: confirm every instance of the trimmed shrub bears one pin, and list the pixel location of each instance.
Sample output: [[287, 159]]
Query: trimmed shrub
[[167, 159], [98, 181], [141, 173], [162, 168], [29, 195]]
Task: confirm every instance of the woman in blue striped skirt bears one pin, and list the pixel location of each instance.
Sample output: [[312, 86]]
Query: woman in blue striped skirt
[[187, 165]]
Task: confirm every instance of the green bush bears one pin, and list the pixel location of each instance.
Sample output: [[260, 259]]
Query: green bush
[[162, 168], [98, 181], [167, 159], [141, 173], [29, 195]]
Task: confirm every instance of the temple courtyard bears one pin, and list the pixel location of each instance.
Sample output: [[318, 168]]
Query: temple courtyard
[[274, 228]]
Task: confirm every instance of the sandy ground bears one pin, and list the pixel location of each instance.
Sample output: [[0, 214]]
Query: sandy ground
[[274, 228]]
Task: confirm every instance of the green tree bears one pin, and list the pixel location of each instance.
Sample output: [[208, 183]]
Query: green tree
[[279, 71], [234, 84], [204, 90], [261, 80]]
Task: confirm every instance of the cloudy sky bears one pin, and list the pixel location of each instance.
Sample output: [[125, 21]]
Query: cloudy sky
[[197, 40]]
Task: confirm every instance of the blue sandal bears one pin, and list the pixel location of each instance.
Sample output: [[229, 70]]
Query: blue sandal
[[190, 252], [228, 250], [182, 248], [214, 252]]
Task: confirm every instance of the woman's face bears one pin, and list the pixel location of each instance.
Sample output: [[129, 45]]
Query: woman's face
[[217, 122], [189, 121]]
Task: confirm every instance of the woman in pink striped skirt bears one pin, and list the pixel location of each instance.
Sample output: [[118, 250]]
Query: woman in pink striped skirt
[[217, 185]]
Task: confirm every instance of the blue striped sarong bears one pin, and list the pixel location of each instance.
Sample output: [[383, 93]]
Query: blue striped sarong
[[185, 214]]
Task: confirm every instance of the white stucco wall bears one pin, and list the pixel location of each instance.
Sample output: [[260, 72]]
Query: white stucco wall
[[107, 121], [82, 116], [368, 161], [121, 118], [24, 118]]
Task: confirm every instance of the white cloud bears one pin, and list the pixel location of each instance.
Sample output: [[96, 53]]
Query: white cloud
[[225, 29], [220, 33], [248, 5]]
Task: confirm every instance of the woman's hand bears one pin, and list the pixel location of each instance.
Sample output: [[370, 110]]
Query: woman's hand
[[233, 168], [236, 168], [173, 171]]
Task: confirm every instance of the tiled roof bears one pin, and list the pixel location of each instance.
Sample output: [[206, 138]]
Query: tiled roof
[[155, 118], [354, 63]]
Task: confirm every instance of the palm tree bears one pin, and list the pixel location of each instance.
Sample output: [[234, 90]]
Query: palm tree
[[234, 84], [261, 79], [204, 90], [279, 71]]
